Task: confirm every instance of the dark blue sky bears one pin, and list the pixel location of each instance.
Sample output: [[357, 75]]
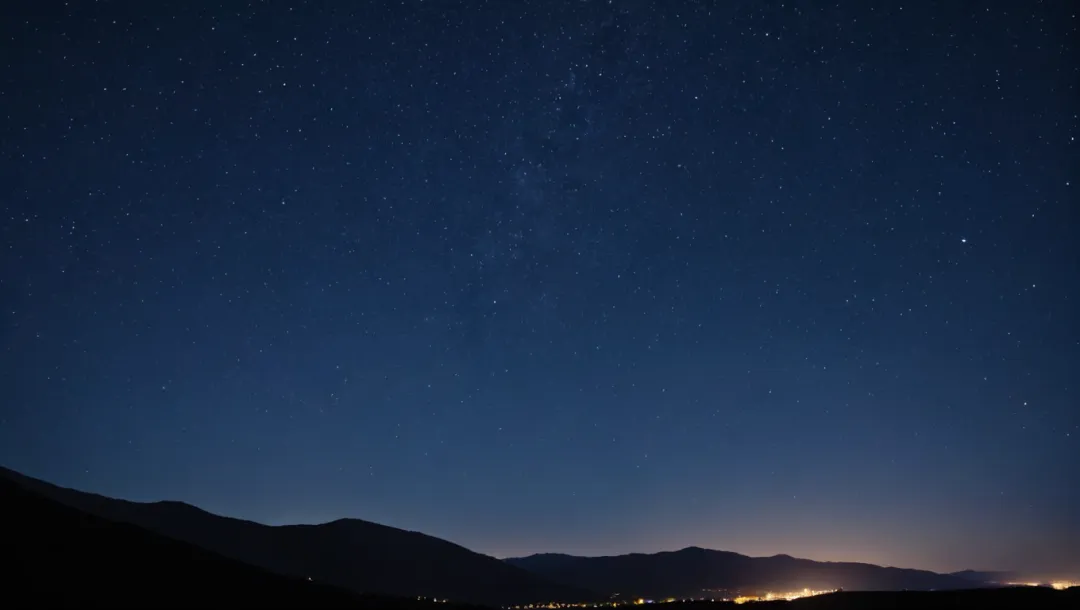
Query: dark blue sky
[[591, 277]]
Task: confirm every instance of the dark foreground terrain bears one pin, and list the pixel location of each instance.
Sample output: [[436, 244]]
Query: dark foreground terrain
[[55, 556], [1020, 598]]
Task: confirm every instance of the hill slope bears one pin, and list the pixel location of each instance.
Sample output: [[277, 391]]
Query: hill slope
[[60, 557], [358, 555], [692, 570]]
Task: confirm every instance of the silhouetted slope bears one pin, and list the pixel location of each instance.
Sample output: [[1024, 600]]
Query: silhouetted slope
[[56, 556], [690, 571], [361, 556]]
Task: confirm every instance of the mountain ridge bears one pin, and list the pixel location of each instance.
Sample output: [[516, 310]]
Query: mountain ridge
[[61, 557], [690, 571], [367, 557], [361, 556]]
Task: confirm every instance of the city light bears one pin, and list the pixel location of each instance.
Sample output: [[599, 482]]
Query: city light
[[770, 596], [744, 598], [1061, 585]]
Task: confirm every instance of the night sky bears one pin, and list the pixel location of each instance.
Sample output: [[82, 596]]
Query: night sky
[[590, 277]]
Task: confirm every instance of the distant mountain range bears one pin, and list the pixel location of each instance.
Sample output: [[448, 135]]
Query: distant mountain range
[[360, 556], [693, 572], [351, 557], [992, 577]]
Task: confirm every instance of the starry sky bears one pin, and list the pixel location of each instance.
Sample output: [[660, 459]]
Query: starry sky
[[581, 276]]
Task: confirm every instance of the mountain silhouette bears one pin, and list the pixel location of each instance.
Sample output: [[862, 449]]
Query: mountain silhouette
[[360, 556], [694, 571], [60, 557], [989, 577]]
